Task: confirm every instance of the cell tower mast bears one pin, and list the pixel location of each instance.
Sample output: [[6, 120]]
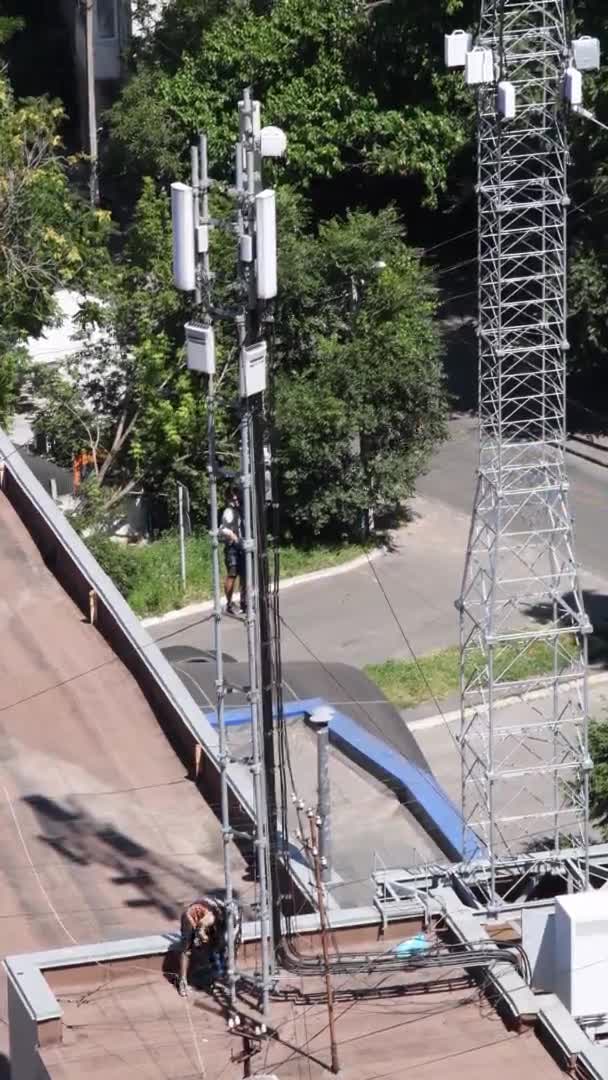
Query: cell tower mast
[[525, 769]]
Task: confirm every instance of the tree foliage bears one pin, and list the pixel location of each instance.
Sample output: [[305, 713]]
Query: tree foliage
[[360, 401], [588, 292], [598, 748], [359, 395], [48, 237], [356, 85], [126, 398]]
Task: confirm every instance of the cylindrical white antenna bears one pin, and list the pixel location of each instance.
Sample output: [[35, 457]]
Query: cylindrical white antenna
[[266, 245], [573, 86], [182, 216]]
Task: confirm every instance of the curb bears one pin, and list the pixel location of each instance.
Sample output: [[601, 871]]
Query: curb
[[502, 703], [601, 462], [286, 583]]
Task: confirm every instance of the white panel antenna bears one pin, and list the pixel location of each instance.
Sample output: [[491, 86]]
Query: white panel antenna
[[586, 51], [505, 100], [573, 87], [266, 241], [182, 217]]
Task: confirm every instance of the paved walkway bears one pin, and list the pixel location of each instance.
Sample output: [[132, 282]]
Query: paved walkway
[[347, 618], [437, 739]]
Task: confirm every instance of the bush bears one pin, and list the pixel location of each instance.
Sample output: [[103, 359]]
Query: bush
[[119, 562]]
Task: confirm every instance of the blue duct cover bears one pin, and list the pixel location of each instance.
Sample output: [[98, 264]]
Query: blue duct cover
[[425, 797]]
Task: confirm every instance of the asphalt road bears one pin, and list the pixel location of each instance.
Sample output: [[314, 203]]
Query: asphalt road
[[348, 618], [451, 481]]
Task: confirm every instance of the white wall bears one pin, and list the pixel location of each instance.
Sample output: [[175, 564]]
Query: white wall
[[538, 940], [23, 1036]]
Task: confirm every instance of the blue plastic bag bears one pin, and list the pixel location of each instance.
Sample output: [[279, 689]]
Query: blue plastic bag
[[412, 946]]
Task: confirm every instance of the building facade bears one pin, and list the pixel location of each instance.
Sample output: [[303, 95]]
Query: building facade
[[112, 34]]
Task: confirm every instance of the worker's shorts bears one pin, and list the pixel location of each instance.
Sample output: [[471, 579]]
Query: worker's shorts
[[235, 561]]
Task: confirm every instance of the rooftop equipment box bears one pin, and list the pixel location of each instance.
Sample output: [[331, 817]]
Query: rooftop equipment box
[[581, 952]]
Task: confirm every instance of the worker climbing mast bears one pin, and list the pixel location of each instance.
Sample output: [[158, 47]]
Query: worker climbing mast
[[524, 631]]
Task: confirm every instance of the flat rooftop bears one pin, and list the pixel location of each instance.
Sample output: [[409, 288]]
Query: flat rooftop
[[372, 823], [103, 834], [430, 1024]]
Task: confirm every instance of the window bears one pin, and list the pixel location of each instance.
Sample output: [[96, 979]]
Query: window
[[106, 19]]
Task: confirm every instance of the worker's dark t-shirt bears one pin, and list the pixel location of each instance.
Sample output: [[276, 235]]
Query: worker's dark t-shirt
[[234, 555]]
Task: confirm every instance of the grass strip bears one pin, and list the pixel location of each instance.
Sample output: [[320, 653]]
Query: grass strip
[[148, 575], [437, 674]]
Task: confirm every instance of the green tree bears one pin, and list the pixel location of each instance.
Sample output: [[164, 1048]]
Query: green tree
[[356, 85], [359, 385], [126, 398], [598, 746], [48, 236], [588, 228]]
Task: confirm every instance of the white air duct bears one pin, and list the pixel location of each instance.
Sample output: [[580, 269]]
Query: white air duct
[[581, 952]]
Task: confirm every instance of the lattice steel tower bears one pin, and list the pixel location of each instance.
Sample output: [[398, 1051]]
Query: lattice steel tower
[[525, 768]]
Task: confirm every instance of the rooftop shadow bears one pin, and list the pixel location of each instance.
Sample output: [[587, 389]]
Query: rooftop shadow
[[84, 840], [460, 361], [596, 606]]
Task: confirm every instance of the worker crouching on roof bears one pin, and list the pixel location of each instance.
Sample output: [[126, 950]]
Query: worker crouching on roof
[[203, 925]]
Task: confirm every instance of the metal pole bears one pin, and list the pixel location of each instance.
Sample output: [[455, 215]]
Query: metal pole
[[335, 1064], [220, 689], [204, 187], [256, 564], [200, 184], [261, 841], [253, 186], [266, 672], [319, 720], [196, 191], [91, 104], [182, 537]]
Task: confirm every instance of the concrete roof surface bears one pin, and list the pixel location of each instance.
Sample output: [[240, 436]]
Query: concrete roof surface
[[371, 824], [141, 1028], [103, 836], [341, 685]]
